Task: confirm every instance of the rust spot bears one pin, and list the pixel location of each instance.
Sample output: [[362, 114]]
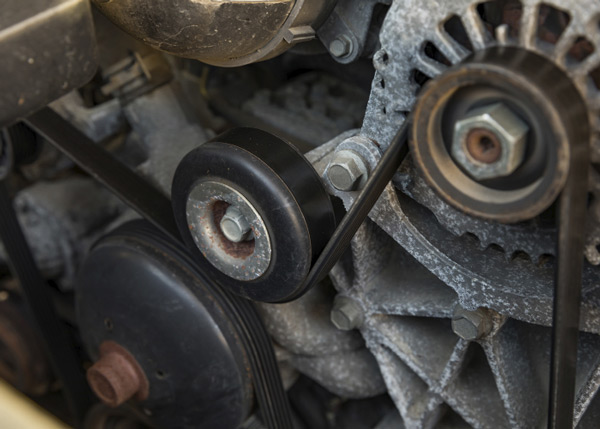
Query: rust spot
[[483, 145], [117, 377]]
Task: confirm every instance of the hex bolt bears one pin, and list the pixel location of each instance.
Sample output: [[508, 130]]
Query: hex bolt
[[346, 313], [341, 46], [346, 170], [471, 325], [490, 142], [235, 226]]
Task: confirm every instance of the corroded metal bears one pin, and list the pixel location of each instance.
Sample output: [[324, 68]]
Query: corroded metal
[[206, 207], [116, 376]]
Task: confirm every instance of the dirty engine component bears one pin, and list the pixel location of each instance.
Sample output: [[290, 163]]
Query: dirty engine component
[[224, 33], [351, 214]]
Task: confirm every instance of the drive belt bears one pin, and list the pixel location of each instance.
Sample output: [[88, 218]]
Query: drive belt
[[368, 196], [138, 193], [156, 208], [274, 406], [572, 209], [60, 349]]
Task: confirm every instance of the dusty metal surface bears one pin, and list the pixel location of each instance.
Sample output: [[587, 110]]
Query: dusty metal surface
[[47, 49], [206, 207], [348, 31], [394, 90], [415, 262], [61, 219], [315, 347], [446, 312]]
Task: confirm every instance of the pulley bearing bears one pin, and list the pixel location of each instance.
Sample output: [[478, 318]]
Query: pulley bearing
[[531, 89], [277, 193]]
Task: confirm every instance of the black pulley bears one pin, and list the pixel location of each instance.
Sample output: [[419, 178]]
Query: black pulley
[[254, 212], [160, 335]]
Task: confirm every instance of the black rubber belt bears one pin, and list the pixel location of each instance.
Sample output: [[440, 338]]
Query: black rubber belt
[[55, 339], [275, 408], [567, 288], [102, 166], [156, 208], [378, 180]]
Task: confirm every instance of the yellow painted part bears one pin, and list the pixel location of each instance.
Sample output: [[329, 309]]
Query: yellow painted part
[[17, 411]]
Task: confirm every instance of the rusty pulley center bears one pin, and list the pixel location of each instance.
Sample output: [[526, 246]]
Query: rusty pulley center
[[483, 146], [491, 135]]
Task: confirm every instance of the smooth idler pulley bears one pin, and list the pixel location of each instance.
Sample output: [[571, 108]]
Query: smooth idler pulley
[[254, 213]]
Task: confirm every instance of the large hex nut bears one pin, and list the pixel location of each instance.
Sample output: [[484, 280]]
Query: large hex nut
[[490, 142]]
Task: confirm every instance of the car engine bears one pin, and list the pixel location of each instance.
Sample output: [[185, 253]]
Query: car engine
[[308, 214]]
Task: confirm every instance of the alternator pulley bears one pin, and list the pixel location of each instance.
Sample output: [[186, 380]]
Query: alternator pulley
[[485, 89]]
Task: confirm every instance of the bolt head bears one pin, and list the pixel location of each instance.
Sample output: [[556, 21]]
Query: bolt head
[[346, 313], [340, 47], [346, 170], [465, 329], [234, 225], [490, 142], [471, 325]]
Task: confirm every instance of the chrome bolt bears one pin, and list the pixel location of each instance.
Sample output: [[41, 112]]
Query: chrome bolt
[[346, 313], [340, 47], [346, 170], [490, 142], [234, 225], [471, 325]]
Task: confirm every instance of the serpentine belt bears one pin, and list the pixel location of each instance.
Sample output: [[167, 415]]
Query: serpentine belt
[[156, 208], [572, 209], [59, 348]]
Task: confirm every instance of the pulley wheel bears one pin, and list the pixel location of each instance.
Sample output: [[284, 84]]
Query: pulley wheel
[[254, 213], [536, 92], [160, 334]]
